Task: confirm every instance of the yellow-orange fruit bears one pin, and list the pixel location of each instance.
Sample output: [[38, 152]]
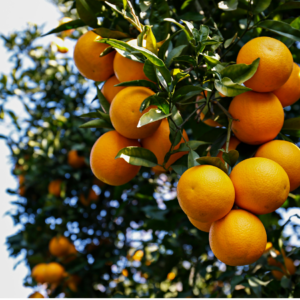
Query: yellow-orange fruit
[[38, 272], [269, 246], [200, 225], [109, 90], [261, 185], [54, 187], [91, 197], [259, 117], [287, 269], [289, 93], [60, 45], [125, 273], [87, 57], [238, 239], [171, 275], [74, 160], [138, 255], [54, 272], [209, 122], [287, 155], [103, 163], [59, 246], [126, 69], [233, 143], [159, 143], [36, 295], [125, 113], [205, 193], [275, 65]]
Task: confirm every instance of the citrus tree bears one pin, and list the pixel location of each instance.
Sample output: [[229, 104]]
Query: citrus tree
[[195, 101]]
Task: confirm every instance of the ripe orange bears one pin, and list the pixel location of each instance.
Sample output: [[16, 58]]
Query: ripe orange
[[159, 143], [38, 273], [125, 113], [91, 197], [125, 273], [287, 270], [269, 246], [275, 65], [103, 163], [59, 45], [109, 90], [233, 143], [261, 185], [74, 160], [54, 272], [36, 295], [87, 57], [126, 69], [171, 275], [289, 93], [287, 155], [200, 225], [59, 246], [54, 187], [260, 117], [205, 193], [238, 239], [138, 255]]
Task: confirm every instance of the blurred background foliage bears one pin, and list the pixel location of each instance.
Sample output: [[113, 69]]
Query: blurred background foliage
[[134, 241]]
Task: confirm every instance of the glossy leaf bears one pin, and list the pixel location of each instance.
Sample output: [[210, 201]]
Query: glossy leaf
[[213, 161], [289, 5], [228, 88], [291, 127], [141, 82], [97, 123], [107, 51], [189, 35], [151, 44], [173, 54], [157, 100], [153, 115], [192, 156], [138, 156], [231, 157], [86, 12], [164, 77], [149, 71], [230, 41], [260, 5], [104, 103], [228, 5], [175, 136], [66, 26], [186, 92], [190, 145], [211, 61], [281, 28], [108, 33], [185, 59], [241, 72]]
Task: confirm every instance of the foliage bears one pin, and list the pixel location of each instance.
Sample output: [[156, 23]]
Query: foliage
[[144, 214]]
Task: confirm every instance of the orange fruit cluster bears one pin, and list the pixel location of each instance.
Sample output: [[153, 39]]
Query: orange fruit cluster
[[62, 248], [125, 114]]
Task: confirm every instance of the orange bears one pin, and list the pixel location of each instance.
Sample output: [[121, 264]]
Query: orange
[[38, 273], [289, 93], [269, 246], [71, 255], [138, 255], [125, 113], [209, 122], [275, 65], [287, 155], [74, 160], [287, 270], [233, 143], [261, 185], [60, 45], [22, 188], [87, 57], [54, 187], [126, 69], [171, 275], [125, 273], [69, 31], [36, 295], [200, 225], [109, 90], [54, 272], [159, 143], [103, 163], [59, 246], [205, 193], [91, 197], [260, 117], [238, 239]]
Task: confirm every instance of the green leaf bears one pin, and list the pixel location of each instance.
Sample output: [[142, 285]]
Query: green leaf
[[173, 54], [151, 43], [204, 32], [86, 12], [186, 92], [295, 24], [211, 61], [104, 103], [141, 82], [260, 5], [235, 281], [175, 136], [155, 213], [231, 157], [228, 88], [281, 28], [192, 156], [153, 115], [185, 59], [189, 35], [138, 156], [289, 5], [66, 26], [241, 72], [180, 166], [228, 5], [97, 123], [190, 145], [164, 76], [230, 41], [149, 70], [157, 100], [108, 33], [107, 51], [94, 115], [291, 127], [213, 161], [285, 282], [192, 16]]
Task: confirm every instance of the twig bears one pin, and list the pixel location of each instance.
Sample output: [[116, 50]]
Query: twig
[[229, 116], [228, 138]]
